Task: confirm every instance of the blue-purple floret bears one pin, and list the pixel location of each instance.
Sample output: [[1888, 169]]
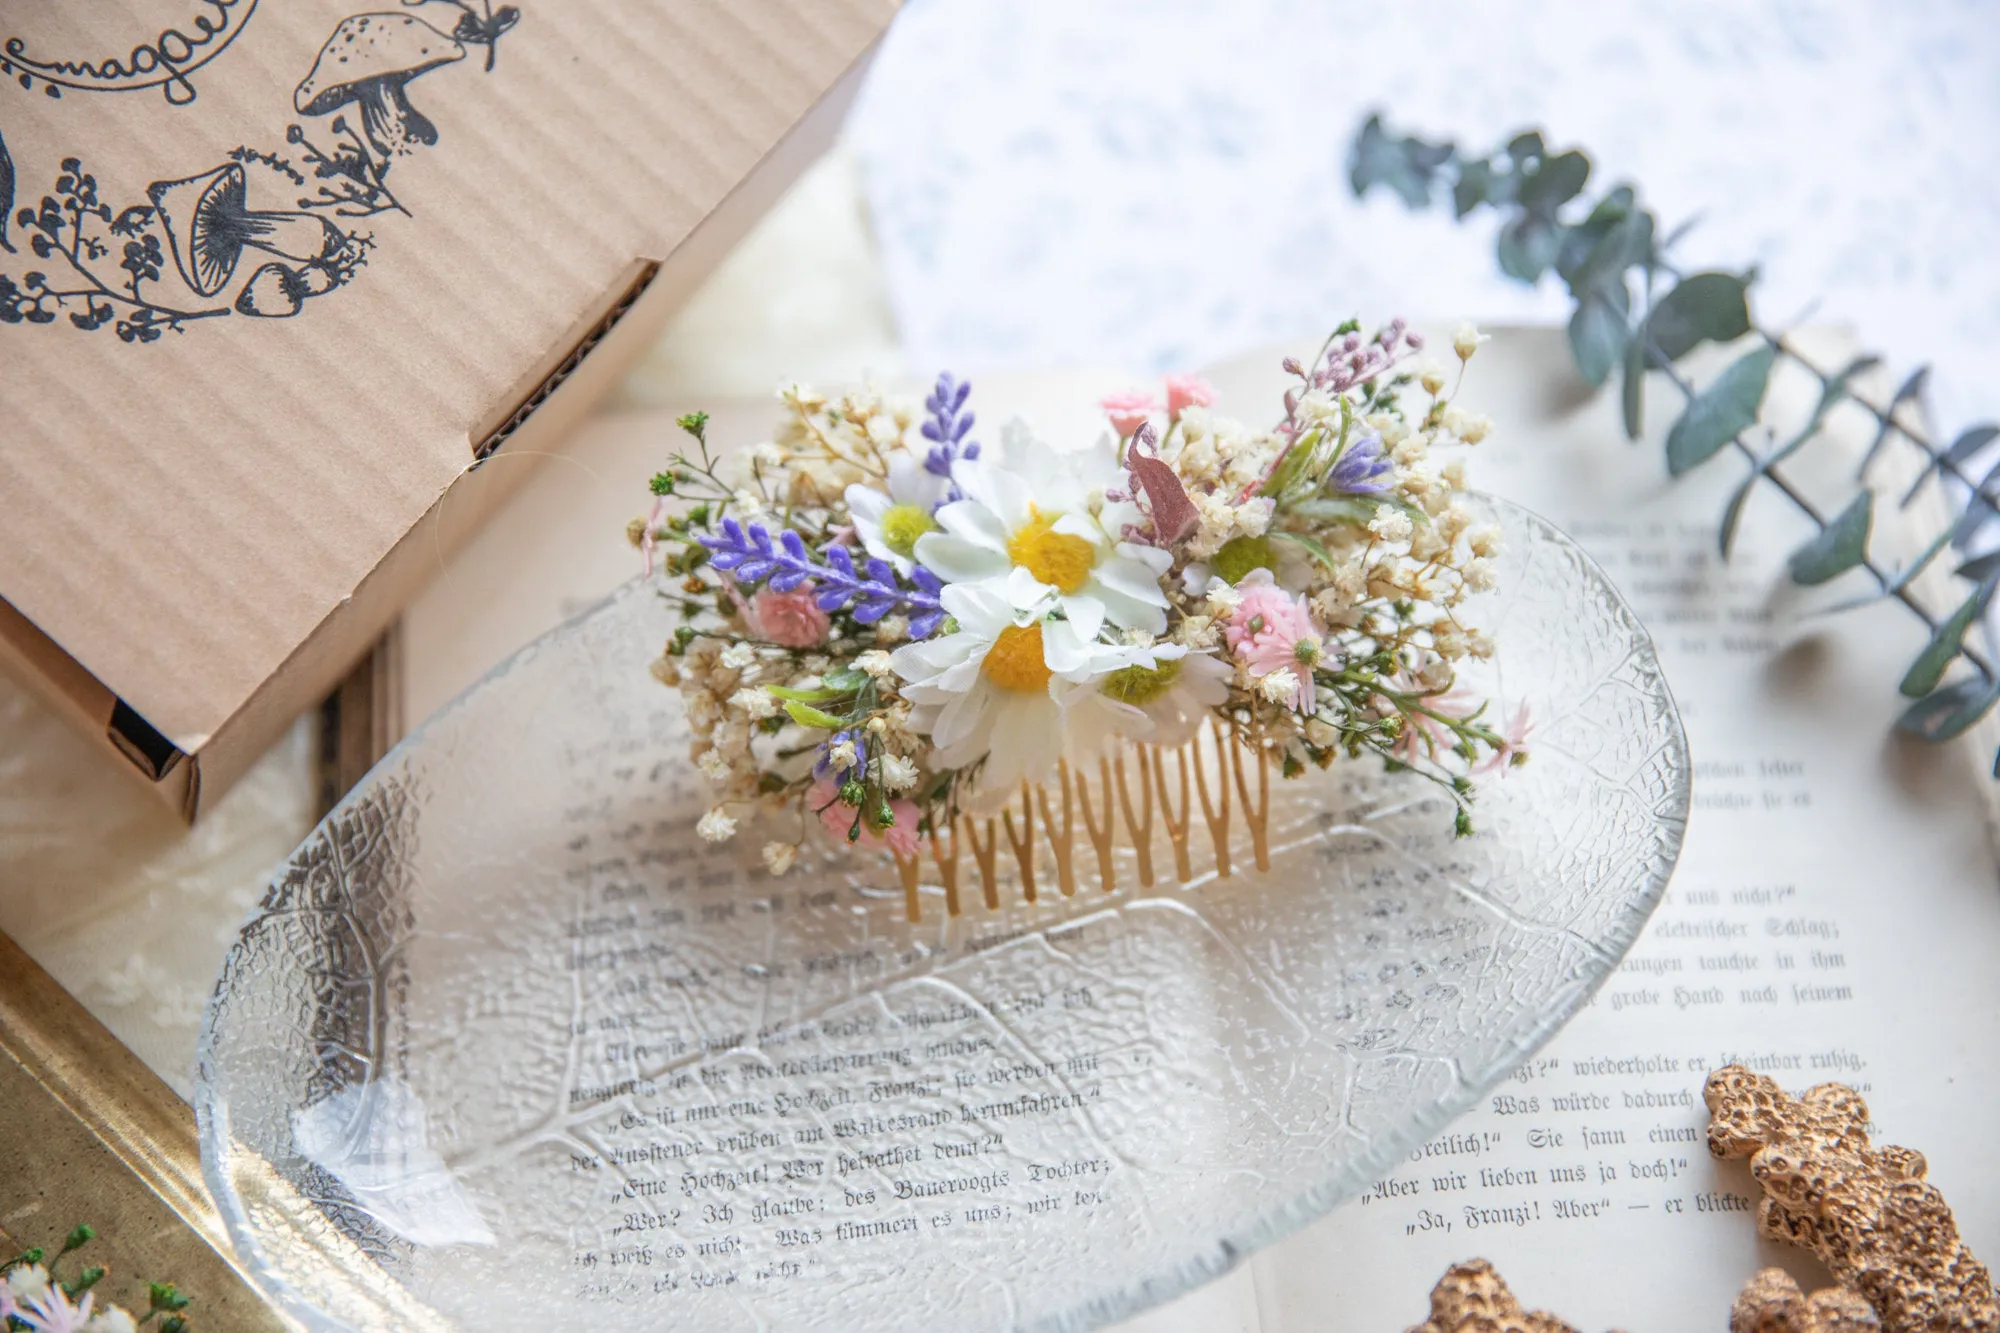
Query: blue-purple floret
[[823, 766], [873, 591], [1358, 470], [947, 425]]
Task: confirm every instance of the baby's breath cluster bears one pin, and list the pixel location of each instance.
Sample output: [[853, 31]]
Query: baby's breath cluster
[[885, 623]]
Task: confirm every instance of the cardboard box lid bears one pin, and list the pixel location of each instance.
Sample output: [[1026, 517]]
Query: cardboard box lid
[[326, 249]]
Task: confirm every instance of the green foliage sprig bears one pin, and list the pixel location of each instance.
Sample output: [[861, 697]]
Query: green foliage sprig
[[1636, 314], [34, 1295]]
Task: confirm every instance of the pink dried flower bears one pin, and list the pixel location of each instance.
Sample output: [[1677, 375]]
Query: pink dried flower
[[1272, 630], [1424, 737], [1185, 391], [1128, 410], [837, 817], [1513, 741], [789, 619]]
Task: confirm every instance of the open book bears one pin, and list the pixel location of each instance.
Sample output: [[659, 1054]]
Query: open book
[[1834, 914]]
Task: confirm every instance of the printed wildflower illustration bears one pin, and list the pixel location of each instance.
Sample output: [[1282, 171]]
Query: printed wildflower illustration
[[260, 233], [888, 624]]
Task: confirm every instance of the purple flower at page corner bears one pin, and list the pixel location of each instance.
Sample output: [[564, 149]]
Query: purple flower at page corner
[[1359, 469]]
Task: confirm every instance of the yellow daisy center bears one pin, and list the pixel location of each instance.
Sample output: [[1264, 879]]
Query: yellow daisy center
[[1139, 685], [1014, 662], [902, 525], [1053, 557]]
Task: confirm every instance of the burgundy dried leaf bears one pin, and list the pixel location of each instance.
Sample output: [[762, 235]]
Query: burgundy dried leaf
[[1174, 516]]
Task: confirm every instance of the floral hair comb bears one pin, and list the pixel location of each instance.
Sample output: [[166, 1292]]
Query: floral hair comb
[[915, 640]]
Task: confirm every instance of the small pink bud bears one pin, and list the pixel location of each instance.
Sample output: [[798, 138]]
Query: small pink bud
[[1128, 410], [1185, 391]]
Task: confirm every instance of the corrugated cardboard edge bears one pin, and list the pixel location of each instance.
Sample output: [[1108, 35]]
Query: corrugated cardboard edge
[[317, 665]]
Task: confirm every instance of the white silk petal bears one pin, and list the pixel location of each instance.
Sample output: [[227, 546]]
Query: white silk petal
[[956, 560]]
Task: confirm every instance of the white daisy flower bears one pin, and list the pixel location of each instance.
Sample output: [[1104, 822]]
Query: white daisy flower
[[890, 521], [1176, 692], [1237, 557], [1035, 519], [1000, 686]]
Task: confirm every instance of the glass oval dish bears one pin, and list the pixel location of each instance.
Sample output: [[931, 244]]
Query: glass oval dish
[[506, 1045]]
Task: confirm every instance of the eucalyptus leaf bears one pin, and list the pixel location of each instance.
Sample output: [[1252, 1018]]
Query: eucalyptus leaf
[[1615, 204], [1528, 245], [1928, 669], [1911, 388], [1721, 412], [1831, 392], [1951, 711], [1624, 243], [1674, 237], [1554, 183], [1970, 442], [1475, 186], [1407, 166], [1707, 307], [1979, 510], [1904, 577], [1525, 146], [1632, 394], [1732, 513], [1842, 545], [1597, 335], [1980, 568]]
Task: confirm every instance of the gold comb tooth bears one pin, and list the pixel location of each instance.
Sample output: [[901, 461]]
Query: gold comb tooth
[[907, 867], [1140, 829], [1024, 845], [947, 866], [1257, 816], [1216, 814], [1103, 837], [1063, 848], [1177, 826], [983, 852], [1100, 819]]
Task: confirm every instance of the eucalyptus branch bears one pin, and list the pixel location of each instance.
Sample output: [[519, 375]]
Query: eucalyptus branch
[[1599, 249]]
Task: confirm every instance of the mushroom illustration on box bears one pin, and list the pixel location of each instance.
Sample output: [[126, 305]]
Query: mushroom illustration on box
[[113, 270], [367, 62]]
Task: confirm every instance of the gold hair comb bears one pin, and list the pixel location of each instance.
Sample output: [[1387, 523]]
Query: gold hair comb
[[1204, 773]]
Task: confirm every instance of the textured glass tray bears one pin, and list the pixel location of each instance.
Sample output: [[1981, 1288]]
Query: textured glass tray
[[506, 1046]]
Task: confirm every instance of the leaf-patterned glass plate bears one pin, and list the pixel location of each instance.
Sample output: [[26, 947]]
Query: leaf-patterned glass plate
[[507, 1046]]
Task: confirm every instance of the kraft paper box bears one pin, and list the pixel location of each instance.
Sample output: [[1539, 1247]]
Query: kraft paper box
[[274, 276]]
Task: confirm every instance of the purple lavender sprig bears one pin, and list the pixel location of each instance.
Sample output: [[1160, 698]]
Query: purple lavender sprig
[[1359, 469], [752, 556], [947, 425]]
